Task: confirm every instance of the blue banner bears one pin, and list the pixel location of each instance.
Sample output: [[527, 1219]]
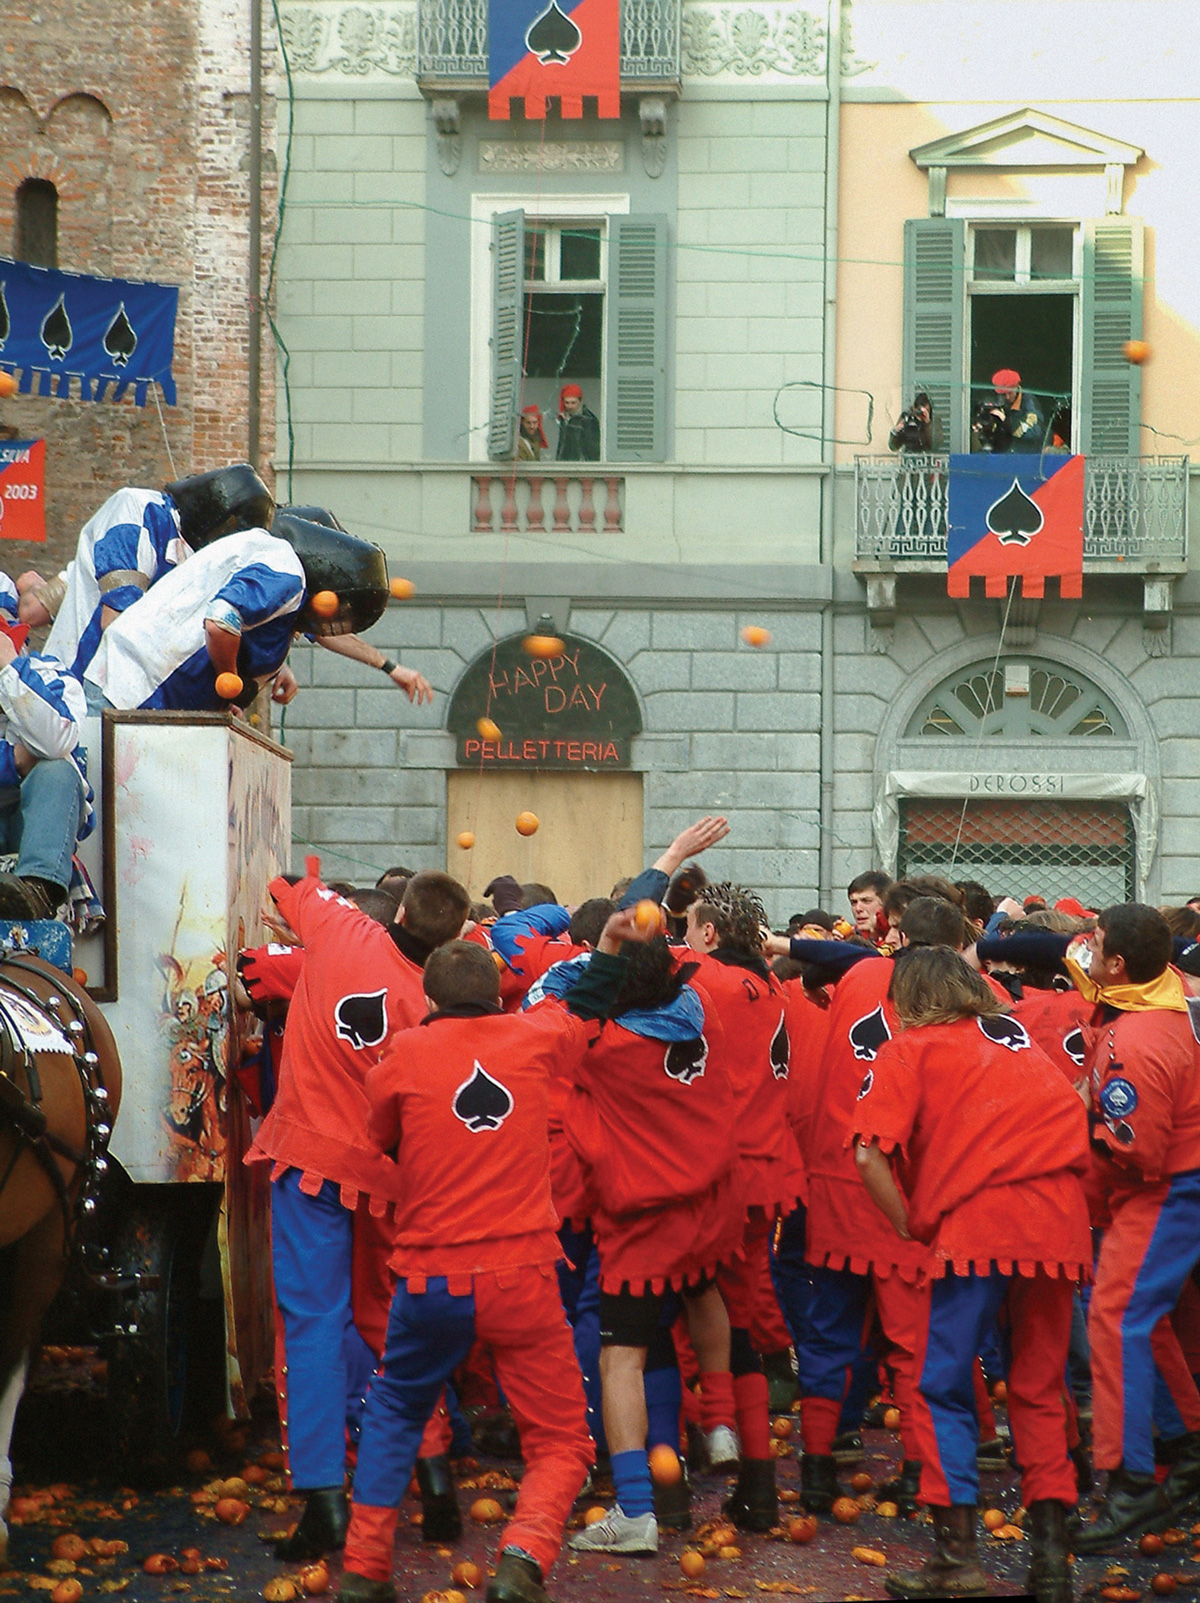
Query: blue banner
[[103, 333]]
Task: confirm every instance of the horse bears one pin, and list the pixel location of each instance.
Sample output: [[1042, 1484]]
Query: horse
[[60, 1089]]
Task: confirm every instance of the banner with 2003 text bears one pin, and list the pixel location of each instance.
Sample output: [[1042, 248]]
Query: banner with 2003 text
[[23, 490]]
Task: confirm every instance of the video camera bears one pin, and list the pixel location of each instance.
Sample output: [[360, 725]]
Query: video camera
[[994, 433], [912, 431]]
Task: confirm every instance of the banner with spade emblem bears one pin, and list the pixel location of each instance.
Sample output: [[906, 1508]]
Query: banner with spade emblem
[[1016, 515], [561, 48], [68, 334]]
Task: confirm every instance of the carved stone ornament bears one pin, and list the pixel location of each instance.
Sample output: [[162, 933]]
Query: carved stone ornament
[[766, 39], [652, 110], [351, 41], [553, 156], [446, 120]]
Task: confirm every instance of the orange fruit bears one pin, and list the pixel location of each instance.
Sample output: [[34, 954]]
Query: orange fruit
[[665, 1468], [280, 1589], [594, 1515], [466, 840], [729, 1551], [229, 685], [891, 1419], [782, 1427], [487, 729], [466, 1574], [231, 1510], [197, 1462], [402, 589], [1174, 1537], [325, 603], [994, 1518], [1163, 1584], [543, 645], [1151, 1542], [646, 916], [1000, 1392], [692, 1563], [527, 823], [845, 1510], [314, 1579], [486, 1511], [8, 385], [68, 1591], [802, 1529], [861, 1482], [254, 1475], [755, 635], [888, 1511], [869, 1555], [1136, 351], [160, 1564], [68, 1545]]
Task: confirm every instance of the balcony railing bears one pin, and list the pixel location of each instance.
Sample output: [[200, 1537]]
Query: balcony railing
[[453, 43], [1134, 511], [525, 502]]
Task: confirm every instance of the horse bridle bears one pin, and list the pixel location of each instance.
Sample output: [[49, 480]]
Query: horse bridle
[[24, 1114]]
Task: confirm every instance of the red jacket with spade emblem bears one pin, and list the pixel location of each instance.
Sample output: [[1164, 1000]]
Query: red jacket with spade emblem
[[355, 990], [463, 1104]]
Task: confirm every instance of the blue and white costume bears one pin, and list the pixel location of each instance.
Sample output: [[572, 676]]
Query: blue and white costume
[[155, 654], [131, 542]]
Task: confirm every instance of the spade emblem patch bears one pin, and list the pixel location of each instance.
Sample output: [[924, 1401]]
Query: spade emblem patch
[[685, 1060], [553, 37], [57, 334], [781, 1050], [1015, 518], [481, 1102], [1073, 1046], [868, 1034], [1005, 1031], [362, 1020], [120, 341]]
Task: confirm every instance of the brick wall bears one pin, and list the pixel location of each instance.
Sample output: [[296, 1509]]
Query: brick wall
[[140, 118]]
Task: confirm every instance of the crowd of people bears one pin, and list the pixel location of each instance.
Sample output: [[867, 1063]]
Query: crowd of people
[[642, 1171], [185, 599]]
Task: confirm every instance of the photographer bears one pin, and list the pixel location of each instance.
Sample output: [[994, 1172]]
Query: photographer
[[914, 428], [1011, 422]]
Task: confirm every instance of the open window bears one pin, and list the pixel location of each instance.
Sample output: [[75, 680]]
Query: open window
[[1055, 300], [581, 301]]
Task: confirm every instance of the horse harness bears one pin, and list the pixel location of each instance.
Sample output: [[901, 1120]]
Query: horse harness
[[23, 1112]]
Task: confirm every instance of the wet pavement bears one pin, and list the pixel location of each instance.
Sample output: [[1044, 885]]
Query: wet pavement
[[66, 1488]]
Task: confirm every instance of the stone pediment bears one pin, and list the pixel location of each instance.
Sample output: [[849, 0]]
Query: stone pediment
[[1025, 139]]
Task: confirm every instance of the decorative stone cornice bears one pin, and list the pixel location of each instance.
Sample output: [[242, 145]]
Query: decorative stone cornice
[[329, 38]]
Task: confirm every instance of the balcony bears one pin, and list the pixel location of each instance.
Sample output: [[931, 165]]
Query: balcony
[[452, 52], [526, 501]]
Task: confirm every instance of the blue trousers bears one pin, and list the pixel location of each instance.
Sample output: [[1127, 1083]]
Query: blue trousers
[[793, 1275], [39, 819], [329, 1365], [579, 1286]]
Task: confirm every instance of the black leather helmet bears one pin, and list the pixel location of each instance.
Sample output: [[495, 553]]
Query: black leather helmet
[[222, 501], [354, 570], [321, 515]]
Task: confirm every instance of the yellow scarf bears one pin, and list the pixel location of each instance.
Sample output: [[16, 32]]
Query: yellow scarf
[[1164, 991]]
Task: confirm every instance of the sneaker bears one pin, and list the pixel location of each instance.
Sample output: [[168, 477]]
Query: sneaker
[[618, 1533], [723, 1448]]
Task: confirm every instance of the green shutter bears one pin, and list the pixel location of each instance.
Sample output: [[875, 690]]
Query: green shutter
[[1111, 388], [934, 304], [635, 410], [508, 300]]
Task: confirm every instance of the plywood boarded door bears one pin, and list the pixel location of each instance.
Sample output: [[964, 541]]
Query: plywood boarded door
[[590, 834]]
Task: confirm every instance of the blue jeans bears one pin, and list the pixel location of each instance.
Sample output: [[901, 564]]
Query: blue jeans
[[39, 819]]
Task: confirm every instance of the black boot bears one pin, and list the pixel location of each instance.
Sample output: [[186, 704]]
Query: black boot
[[322, 1526], [1134, 1503], [819, 1488], [903, 1490], [782, 1385], [357, 1589], [1183, 1478], [1082, 1460], [952, 1570], [442, 1520], [753, 1504], [848, 1447], [1049, 1577], [517, 1580], [673, 1505]]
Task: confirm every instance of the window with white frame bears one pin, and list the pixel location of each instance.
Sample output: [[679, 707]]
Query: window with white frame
[[563, 333]]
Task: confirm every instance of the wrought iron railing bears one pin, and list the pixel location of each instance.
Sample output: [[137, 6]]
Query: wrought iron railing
[[1134, 509], [453, 41]]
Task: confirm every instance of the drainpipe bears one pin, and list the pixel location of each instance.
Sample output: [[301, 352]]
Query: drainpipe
[[833, 108], [254, 297]]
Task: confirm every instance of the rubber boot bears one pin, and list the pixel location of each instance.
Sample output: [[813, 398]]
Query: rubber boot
[[952, 1570], [1183, 1478], [673, 1505], [819, 1488], [517, 1580], [442, 1520], [1133, 1503], [322, 1528], [753, 1504], [903, 1490], [358, 1589], [1049, 1577]]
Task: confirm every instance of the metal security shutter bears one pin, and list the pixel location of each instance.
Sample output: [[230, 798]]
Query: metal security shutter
[[934, 307], [1036, 848], [508, 300], [1111, 398], [635, 413]]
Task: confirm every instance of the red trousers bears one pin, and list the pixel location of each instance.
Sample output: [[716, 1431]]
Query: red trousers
[[962, 1310], [749, 1290]]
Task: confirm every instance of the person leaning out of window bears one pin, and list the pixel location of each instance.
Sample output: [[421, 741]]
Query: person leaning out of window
[[914, 428], [578, 428], [531, 435]]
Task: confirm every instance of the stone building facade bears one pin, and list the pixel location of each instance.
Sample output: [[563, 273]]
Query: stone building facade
[[762, 216], [140, 119]]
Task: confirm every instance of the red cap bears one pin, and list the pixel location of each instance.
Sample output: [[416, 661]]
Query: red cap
[[569, 389], [1076, 909], [535, 412], [1006, 378]]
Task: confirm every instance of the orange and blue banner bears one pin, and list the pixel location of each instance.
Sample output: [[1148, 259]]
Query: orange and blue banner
[[23, 490], [1015, 515], [563, 49]]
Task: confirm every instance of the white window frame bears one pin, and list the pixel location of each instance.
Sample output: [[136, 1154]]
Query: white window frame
[[484, 208]]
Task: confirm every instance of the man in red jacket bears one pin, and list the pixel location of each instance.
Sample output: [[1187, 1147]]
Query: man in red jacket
[[360, 983], [463, 1103]]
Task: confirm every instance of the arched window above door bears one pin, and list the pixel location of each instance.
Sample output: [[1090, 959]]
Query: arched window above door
[[1021, 699]]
